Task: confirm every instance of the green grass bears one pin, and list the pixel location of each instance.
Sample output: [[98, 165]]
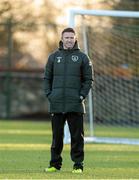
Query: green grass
[[25, 152]]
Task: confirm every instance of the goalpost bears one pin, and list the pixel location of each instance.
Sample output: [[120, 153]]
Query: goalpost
[[114, 47]]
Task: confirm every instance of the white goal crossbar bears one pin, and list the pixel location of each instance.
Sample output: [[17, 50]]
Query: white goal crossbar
[[111, 13]]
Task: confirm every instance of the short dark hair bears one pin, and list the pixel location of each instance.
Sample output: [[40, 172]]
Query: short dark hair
[[68, 29]]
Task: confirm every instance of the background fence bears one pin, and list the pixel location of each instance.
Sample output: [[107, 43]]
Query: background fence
[[114, 48], [23, 53]]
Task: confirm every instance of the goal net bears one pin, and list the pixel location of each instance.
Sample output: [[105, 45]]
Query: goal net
[[111, 39]]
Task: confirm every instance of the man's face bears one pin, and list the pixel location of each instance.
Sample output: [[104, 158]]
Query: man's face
[[68, 39]]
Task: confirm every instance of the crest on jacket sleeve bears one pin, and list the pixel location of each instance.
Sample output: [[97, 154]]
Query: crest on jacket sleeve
[[74, 58]]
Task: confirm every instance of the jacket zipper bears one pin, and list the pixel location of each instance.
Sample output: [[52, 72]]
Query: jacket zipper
[[64, 82]]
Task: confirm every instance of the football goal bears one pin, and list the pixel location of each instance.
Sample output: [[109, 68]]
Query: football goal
[[111, 39]]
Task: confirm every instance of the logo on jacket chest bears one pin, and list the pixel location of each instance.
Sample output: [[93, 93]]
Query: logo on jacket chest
[[74, 58], [59, 59]]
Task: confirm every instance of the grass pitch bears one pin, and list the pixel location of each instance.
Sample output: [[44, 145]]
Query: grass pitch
[[25, 152]]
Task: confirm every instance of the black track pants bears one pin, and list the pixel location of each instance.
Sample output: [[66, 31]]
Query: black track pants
[[75, 123]]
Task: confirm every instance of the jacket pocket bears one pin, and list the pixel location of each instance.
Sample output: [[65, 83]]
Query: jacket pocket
[[49, 97], [56, 95]]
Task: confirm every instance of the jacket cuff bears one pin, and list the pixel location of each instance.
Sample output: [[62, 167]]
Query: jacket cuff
[[82, 96]]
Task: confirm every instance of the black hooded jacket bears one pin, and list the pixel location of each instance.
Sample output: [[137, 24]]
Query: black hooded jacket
[[68, 75]]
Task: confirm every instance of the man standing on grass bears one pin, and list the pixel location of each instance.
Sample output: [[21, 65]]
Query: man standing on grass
[[68, 79]]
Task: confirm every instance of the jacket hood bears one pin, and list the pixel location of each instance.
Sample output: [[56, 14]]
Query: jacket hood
[[75, 47]]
